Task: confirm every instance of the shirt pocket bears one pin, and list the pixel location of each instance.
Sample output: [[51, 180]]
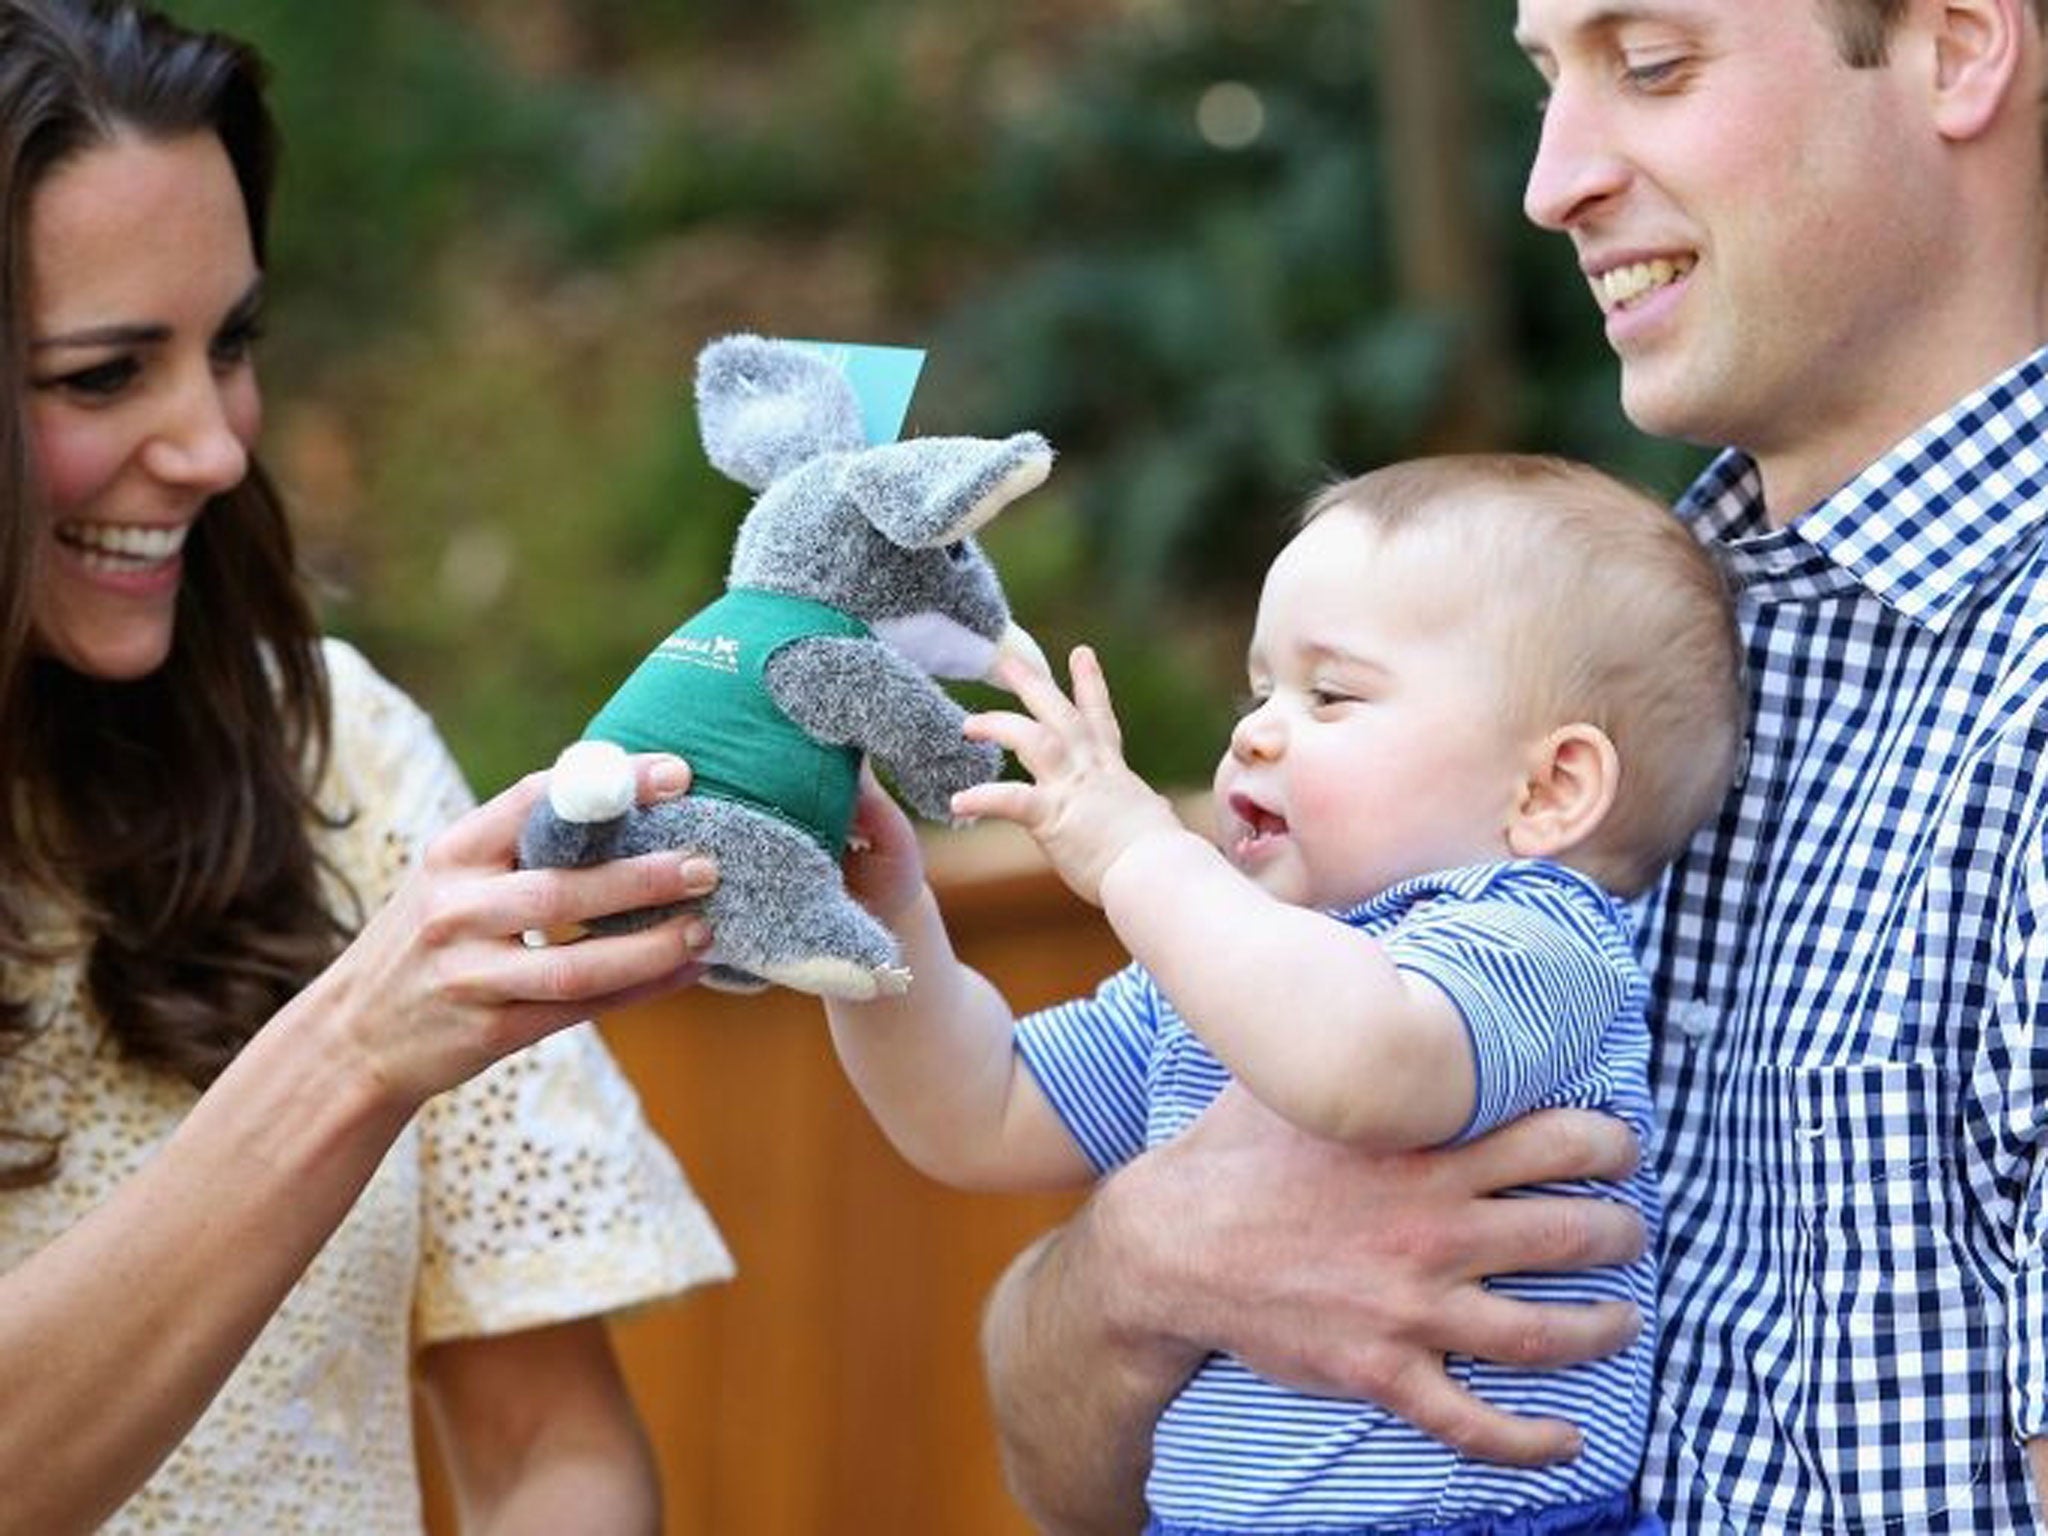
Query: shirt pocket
[[1851, 1318]]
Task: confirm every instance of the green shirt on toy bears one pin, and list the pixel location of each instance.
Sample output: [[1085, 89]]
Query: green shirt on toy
[[701, 693]]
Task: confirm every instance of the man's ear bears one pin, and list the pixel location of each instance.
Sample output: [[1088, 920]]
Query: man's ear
[[1574, 774], [1978, 47]]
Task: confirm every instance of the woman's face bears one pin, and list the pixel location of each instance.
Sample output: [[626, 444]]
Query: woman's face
[[142, 401]]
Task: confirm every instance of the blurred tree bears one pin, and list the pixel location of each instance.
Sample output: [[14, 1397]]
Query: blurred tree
[[400, 132], [1252, 245], [1226, 283], [1216, 249]]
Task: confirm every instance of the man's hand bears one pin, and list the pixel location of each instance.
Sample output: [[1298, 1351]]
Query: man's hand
[[1085, 806], [1352, 1275], [1323, 1267]]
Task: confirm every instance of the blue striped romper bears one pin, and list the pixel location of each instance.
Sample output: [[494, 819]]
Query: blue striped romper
[[1541, 962]]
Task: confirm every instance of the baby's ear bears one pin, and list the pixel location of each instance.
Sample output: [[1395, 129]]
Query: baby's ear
[[1573, 776]]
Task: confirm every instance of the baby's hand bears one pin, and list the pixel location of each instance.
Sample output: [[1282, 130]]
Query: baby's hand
[[884, 866], [1085, 806]]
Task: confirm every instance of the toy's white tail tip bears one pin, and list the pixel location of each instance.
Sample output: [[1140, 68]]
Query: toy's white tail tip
[[591, 781]]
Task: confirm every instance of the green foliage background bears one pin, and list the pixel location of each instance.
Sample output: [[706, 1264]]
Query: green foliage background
[[507, 226]]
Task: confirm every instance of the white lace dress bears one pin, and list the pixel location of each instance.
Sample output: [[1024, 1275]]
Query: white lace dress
[[533, 1194]]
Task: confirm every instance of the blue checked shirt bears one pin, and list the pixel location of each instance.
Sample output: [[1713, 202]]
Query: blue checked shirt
[[1850, 974]]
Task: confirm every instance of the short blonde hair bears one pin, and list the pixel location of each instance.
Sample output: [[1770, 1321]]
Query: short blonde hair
[[1612, 613]]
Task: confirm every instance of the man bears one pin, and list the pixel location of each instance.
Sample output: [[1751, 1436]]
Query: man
[[1817, 230]]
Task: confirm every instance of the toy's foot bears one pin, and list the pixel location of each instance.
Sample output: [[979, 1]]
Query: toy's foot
[[829, 976], [591, 781], [730, 978]]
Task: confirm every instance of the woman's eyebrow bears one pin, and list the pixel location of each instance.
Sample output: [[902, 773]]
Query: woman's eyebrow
[[143, 333], [123, 335]]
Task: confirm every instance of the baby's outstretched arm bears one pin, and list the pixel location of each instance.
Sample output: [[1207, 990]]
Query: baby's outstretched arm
[[1310, 1015], [936, 1067]]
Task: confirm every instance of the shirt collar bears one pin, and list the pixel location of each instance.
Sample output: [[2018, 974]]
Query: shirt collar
[[1920, 527]]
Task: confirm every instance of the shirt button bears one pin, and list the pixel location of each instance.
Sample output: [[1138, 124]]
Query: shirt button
[[1694, 1019]]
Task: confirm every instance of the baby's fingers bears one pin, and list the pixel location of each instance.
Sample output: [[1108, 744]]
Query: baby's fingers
[[1091, 695], [1004, 800], [1006, 728], [1040, 748], [1038, 692]]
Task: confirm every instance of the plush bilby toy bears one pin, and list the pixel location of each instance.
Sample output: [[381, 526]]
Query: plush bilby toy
[[854, 581]]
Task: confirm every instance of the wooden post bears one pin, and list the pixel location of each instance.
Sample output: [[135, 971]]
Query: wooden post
[[1444, 251]]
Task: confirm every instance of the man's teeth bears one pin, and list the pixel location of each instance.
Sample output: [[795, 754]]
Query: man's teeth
[[1622, 286], [111, 546]]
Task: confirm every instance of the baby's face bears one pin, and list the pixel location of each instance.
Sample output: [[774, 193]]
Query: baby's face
[[1378, 745]]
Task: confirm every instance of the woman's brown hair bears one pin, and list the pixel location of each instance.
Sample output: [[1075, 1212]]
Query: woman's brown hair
[[168, 818]]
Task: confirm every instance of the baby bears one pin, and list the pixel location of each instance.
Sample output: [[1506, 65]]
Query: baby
[[1491, 697]]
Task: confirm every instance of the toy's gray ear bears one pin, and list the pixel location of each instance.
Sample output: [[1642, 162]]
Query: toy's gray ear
[[930, 491], [767, 406]]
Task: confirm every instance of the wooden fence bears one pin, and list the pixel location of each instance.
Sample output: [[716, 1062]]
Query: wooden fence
[[835, 1386]]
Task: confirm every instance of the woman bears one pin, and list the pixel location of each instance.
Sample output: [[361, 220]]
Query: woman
[[249, 925]]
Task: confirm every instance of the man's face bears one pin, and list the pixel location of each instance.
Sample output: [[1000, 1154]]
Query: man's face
[[1761, 224]]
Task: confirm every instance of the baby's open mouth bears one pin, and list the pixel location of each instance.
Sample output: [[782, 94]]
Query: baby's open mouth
[[1255, 824]]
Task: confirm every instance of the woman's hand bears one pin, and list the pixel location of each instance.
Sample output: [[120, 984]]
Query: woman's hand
[[442, 981]]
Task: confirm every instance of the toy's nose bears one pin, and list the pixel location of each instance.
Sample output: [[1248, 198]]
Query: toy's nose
[[1016, 641]]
